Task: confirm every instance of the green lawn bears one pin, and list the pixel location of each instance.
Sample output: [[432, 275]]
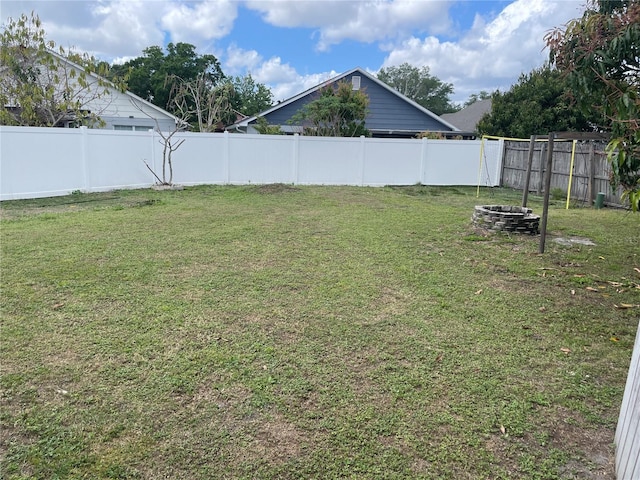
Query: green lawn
[[310, 332]]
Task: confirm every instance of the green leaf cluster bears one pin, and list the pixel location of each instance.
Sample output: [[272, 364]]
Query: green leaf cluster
[[337, 112], [42, 86], [249, 97], [191, 85], [537, 104], [420, 86], [599, 54], [263, 127], [153, 75]]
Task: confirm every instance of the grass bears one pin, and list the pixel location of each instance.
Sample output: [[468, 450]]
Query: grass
[[310, 332]]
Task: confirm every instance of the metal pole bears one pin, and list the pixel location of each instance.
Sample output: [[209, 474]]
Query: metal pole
[[480, 165], [573, 157], [527, 178], [541, 172], [591, 190], [547, 187]]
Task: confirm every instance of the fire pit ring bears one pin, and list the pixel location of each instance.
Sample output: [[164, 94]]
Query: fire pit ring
[[506, 218]]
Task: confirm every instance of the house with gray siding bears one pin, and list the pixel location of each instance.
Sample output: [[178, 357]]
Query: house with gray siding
[[390, 114]]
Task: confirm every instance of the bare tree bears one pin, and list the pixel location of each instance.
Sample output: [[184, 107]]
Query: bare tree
[[197, 101], [169, 145]]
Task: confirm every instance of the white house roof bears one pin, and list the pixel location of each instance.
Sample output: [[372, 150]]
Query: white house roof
[[127, 93]]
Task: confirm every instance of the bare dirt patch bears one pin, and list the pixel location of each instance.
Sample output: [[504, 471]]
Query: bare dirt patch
[[273, 188], [595, 454]]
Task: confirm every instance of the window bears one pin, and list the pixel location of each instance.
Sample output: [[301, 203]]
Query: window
[[355, 82], [130, 128]]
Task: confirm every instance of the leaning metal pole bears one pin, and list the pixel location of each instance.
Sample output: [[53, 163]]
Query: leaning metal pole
[[547, 188], [527, 177]]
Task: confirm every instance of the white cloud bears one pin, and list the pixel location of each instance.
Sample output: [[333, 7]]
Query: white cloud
[[362, 21], [283, 79], [238, 60], [118, 28], [194, 22], [297, 13], [492, 54], [299, 83], [489, 55]]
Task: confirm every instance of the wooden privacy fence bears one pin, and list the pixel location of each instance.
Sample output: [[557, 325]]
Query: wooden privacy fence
[[590, 170]]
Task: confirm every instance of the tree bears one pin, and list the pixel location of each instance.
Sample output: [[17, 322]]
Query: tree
[[337, 112], [41, 87], [206, 108], [476, 97], [250, 98], [420, 86], [599, 56], [263, 127], [536, 105], [153, 75]]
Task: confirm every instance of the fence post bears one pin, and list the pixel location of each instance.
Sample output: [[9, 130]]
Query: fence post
[[225, 158], [295, 158], [502, 147], [547, 187], [362, 160], [541, 169], [627, 439], [84, 131], [527, 177], [154, 163], [423, 160], [591, 186]]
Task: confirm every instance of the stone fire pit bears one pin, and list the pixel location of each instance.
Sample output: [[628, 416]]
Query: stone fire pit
[[506, 218]]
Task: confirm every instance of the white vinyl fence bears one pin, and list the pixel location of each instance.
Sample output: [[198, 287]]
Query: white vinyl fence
[[43, 162], [628, 431]]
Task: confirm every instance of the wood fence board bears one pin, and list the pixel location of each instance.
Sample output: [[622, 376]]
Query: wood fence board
[[515, 160]]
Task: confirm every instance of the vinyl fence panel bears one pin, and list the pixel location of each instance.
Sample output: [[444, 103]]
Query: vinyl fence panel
[[628, 431], [41, 162], [109, 168], [388, 162]]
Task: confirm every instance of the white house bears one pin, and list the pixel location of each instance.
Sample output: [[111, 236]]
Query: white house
[[118, 110]]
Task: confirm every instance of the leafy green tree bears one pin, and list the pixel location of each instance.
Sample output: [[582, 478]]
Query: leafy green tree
[[599, 55], [420, 86], [250, 98], [536, 105], [263, 127], [337, 112], [476, 97], [40, 87], [155, 74]]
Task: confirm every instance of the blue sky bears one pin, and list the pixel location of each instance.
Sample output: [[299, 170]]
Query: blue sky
[[294, 45]]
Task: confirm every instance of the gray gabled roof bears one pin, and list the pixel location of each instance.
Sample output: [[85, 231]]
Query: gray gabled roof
[[467, 119], [246, 121]]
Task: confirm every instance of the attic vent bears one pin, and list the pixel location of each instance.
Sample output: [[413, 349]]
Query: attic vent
[[355, 82]]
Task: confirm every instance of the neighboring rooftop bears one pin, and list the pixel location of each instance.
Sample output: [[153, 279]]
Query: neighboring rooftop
[[467, 119]]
